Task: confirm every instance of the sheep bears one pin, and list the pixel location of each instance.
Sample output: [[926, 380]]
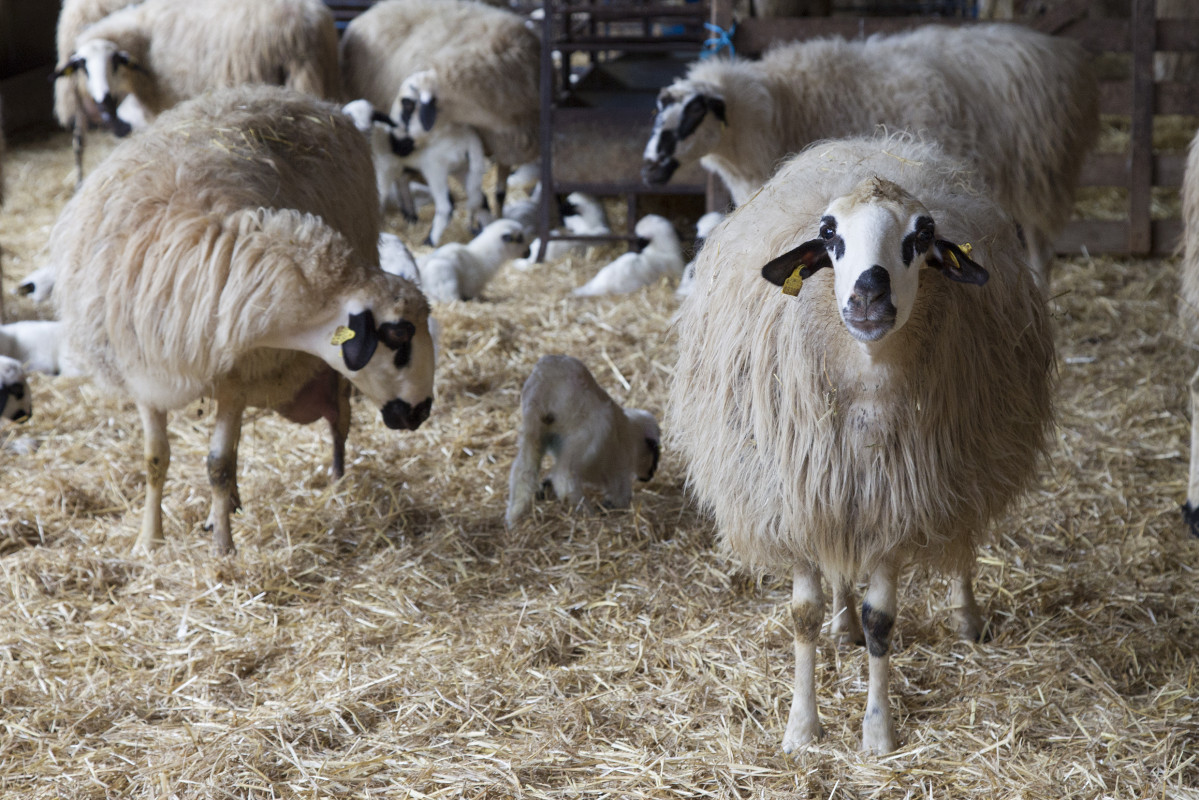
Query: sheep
[[36, 344], [231, 249], [478, 65], [460, 271], [16, 402], [1188, 311], [452, 149], [37, 285], [161, 52], [1026, 122], [595, 443], [660, 256], [703, 228], [396, 259], [887, 412]]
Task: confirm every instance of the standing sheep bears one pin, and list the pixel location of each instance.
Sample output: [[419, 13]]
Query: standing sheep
[[478, 65], [161, 52], [1025, 122], [883, 415], [595, 442], [1188, 311], [231, 249]]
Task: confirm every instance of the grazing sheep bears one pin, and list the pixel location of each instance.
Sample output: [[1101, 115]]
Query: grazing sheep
[[231, 249], [883, 415], [451, 150], [1188, 310], [703, 228], [660, 256], [36, 344], [161, 52], [1026, 122], [478, 65], [595, 443], [460, 271], [16, 402]]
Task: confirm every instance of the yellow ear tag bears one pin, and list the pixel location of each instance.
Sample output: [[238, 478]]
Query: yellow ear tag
[[794, 282], [965, 247], [342, 335]]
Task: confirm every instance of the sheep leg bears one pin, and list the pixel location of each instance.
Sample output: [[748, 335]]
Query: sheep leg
[[222, 472], [522, 480], [340, 427], [846, 626], [619, 493], [878, 618], [967, 619], [566, 485], [1190, 514], [158, 459], [478, 214], [443, 204], [807, 614], [502, 171]]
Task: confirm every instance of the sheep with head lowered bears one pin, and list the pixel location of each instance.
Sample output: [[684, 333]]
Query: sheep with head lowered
[[1025, 122], [879, 412], [469, 63], [231, 249], [459, 271], [136, 62], [595, 443], [660, 256]]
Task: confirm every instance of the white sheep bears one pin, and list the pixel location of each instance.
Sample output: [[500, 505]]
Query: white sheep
[[885, 413], [37, 345], [479, 66], [396, 259], [595, 443], [162, 52], [38, 284], [582, 214], [1025, 122], [1188, 312], [703, 228], [16, 401], [231, 250], [661, 256], [458, 271]]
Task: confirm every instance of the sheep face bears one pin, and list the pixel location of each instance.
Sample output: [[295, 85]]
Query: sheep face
[[651, 443], [16, 403], [684, 130], [505, 237], [877, 239], [415, 106], [107, 78], [391, 361]]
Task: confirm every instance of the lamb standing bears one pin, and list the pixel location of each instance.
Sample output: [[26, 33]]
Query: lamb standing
[[161, 52], [595, 443], [480, 66], [886, 413], [232, 250], [1025, 122], [460, 271], [661, 256]]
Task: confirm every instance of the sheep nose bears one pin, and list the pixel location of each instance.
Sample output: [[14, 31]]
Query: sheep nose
[[401, 416], [873, 286]]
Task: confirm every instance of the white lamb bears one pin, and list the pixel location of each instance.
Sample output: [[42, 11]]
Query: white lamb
[[16, 402], [582, 215], [453, 150], [231, 250], [162, 52], [458, 271], [703, 228], [36, 344], [884, 413], [480, 66], [1025, 122], [596, 444], [661, 256]]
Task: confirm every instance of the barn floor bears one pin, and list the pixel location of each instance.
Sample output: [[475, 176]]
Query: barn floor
[[387, 637]]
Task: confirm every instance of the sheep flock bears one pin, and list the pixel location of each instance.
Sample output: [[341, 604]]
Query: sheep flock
[[389, 632]]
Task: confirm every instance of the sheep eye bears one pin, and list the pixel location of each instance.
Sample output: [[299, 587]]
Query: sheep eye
[[828, 228], [925, 229]]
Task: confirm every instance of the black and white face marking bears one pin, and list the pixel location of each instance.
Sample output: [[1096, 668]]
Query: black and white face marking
[[415, 107], [398, 377], [106, 72], [677, 131]]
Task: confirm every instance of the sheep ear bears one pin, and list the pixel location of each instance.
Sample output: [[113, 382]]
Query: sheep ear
[[380, 117], [428, 113], [716, 106], [123, 59], [955, 263], [69, 68], [359, 344], [808, 258], [655, 449]]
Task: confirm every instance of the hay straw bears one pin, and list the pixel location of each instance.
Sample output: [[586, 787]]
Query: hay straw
[[387, 637]]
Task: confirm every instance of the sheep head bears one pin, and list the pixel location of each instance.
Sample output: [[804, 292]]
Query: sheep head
[[415, 106], [107, 72], [877, 238], [684, 130]]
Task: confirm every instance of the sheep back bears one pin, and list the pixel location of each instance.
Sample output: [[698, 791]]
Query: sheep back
[[236, 212], [806, 451]]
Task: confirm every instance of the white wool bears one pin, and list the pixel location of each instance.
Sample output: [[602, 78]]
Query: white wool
[[662, 257]]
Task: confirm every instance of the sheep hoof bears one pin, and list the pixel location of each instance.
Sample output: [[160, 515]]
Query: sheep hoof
[[546, 492], [798, 737], [1191, 517], [429, 242]]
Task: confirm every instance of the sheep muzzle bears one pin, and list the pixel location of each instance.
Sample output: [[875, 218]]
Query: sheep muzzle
[[656, 173], [402, 416]]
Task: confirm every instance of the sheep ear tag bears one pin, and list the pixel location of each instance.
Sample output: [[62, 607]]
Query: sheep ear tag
[[955, 263], [358, 340], [791, 268]]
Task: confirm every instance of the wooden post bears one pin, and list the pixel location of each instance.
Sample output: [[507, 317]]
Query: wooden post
[[1140, 166]]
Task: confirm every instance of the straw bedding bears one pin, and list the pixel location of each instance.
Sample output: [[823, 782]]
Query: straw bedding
[[387, 637]]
